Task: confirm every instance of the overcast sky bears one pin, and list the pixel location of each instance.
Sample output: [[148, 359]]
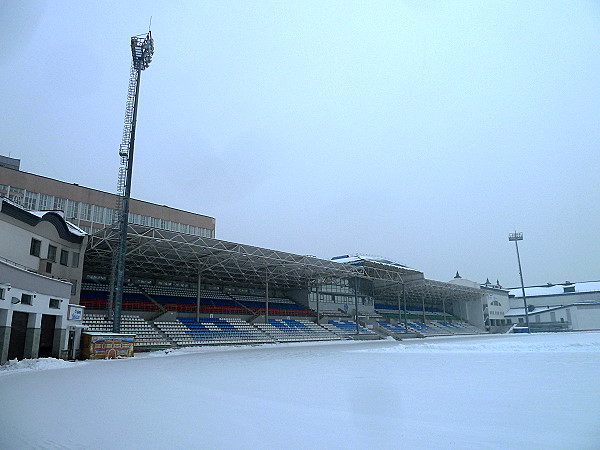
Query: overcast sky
[[424, 132]]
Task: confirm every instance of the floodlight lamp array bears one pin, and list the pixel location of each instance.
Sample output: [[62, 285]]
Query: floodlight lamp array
[[142, 49], [515, 236]]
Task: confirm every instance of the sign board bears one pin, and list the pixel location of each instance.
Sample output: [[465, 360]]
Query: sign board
[[106, 345], [75, 312]]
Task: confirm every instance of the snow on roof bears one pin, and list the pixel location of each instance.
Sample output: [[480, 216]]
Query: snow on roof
[[556, 289], [348, 259], [540, 309], [41, 214]]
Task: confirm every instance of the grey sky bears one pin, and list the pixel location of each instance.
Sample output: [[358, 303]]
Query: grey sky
[[420, 131]]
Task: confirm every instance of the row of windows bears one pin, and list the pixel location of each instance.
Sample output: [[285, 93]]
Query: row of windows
[[75, 211], [35, 249], [27, 299], [331, 298]]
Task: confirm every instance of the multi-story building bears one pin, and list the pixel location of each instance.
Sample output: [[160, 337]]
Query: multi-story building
[[41, 266], [91, 209]]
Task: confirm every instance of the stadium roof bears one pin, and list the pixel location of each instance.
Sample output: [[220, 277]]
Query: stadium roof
[[175, 256], [182, 257]]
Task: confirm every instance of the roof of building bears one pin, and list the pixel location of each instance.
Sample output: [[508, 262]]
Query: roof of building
[[361, 259], [66, 230], [557, 289], [540, 309]]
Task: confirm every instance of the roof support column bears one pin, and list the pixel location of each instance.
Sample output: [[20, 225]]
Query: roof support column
[[404, 301], [318, 293], [356, 302], [198, 296], [444, 308], [267, 299], [399, 306]]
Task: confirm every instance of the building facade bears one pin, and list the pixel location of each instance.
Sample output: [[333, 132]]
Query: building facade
[[91, 209], [558, 307], [41, 266]]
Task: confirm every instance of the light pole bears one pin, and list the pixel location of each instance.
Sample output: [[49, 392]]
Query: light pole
[[519, 237]]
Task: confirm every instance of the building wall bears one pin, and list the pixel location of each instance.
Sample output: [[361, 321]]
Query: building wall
[[586, 317], [47, 297], [16, 246], [556, 299], [92, 209]]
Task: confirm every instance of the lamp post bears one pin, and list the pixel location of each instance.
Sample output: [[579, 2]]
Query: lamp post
[[519, 237]]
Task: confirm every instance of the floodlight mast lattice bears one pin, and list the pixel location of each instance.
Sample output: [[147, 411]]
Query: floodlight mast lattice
[[519, 237], [142, 49]]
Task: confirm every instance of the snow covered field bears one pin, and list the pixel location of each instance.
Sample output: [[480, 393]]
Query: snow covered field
[[509, 391]]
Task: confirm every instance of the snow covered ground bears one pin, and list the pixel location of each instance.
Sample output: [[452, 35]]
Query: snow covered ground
[[508, 391]]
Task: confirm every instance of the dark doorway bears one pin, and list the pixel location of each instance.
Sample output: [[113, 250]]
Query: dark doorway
[[18, 331], [47, 336]]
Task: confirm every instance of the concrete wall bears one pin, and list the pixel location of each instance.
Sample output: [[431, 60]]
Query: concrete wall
[[586, 317], [16, 281]]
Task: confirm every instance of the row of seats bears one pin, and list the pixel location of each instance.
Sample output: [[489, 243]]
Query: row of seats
[[146, 336], [94, 296], [346, 327], [291, 330], [431, 328], [215, 331]]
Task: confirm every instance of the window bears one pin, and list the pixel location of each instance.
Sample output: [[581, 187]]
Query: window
[[73, 287], [59, 204], [1, 293], [26, 299], [45, 202], [36, 247], [52, 253], [54, 303], [75, 260], [64, 257], [48, 267], [85, 212], [30, 200], [72, 209], [97, 214], [520, 320]]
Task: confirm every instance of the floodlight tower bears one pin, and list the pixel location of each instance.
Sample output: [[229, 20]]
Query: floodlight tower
[[519, 237], [142, 49]]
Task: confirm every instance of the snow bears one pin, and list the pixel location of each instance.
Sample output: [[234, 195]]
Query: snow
[[501, 391], [586, 286]]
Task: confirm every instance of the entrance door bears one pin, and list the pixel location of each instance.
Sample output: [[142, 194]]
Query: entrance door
[[47, 336], [18, 330]]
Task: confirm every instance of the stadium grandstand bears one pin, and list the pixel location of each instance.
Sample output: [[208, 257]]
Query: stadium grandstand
[[196, 290], [184, 287]]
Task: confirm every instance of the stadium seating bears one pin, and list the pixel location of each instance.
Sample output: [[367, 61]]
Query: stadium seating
[[146, 336], [212, 331], [95, 296], [346, 327], [293, 330], [432, 328]]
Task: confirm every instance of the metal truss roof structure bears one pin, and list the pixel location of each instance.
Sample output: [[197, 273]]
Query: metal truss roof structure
[[390, 278], [430, 292], [173, 256]]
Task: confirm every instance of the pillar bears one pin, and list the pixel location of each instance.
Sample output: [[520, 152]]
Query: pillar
[[59, 345], [32, 336], [5, 321]]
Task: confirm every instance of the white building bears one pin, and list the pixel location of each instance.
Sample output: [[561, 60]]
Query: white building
[[567, 306], [41, 263]]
